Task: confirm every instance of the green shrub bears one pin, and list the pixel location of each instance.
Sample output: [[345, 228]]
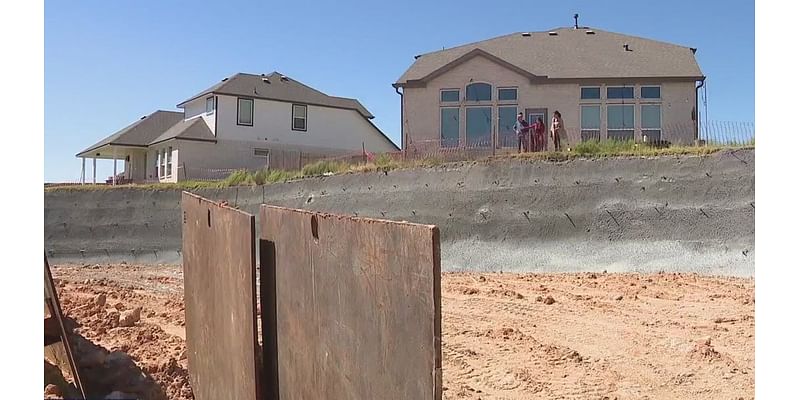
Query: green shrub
[[279, 175], [605, 147]]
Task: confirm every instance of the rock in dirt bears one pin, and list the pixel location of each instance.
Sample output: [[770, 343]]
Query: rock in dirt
[[549, 300], [52, 390], [100, 299], [113, 318], [616, 297], [130, 317], [119, 306]]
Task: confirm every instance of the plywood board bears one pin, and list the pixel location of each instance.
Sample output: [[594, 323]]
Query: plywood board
[[356, 311], [219, 294]]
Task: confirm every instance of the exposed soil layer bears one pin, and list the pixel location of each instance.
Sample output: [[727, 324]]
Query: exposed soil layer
[[505, 336]]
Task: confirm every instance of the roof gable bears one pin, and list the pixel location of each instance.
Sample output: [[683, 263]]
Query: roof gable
[[570, 54], [276, 86]]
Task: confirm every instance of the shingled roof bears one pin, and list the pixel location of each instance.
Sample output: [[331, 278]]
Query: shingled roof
[[567, 53], [141, 132], [278, 87]]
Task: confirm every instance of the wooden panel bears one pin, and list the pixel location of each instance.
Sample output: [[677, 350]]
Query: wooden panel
[[219, 293], [57, 348], [357, 307]]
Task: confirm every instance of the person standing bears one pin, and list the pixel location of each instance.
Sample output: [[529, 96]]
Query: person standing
[[538, 135], [521, 127], [557, 130]]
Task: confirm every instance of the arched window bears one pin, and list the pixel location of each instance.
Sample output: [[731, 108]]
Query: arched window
[[479, 91]]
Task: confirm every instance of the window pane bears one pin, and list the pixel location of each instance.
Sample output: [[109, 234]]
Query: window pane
[[246, 111], [299, 123], [507, 94], [620, 117], [507, 117], [651, 116], [590, 93], [449, 127], [479, 92], [210, 104], [479, 125], [651, 92], [449, 95], [590, 117], [619, 93], [299, 111]]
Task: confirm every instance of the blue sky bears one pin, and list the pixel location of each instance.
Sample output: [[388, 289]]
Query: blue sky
[[107, 63]]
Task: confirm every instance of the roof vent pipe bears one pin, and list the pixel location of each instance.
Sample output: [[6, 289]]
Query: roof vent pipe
[[576, 20], [552, 33], [626, 47], [526, 34]]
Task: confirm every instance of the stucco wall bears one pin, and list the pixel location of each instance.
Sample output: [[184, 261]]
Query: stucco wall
[[422, 116], [332, 128]]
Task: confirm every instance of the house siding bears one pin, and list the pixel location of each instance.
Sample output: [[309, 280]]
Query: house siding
[[332, 128], [421, 119], [197, 108]]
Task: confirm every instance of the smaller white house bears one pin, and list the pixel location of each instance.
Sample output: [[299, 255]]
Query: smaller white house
[[245, 121]]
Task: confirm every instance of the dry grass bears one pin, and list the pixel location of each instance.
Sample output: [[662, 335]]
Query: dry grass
[[385, 163]]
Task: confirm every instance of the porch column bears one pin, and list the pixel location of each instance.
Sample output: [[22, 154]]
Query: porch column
[[83, 170], [94, 171], [114, 177]]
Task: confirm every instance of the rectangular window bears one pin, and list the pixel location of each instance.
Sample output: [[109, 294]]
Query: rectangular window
[[449, 96], [169, 161], [162, 167], [620, 122], [209, 105], [651, 92], [449, 126], [590, 93], [590, 123], [651, 122], [479, 126], [619, 92], [507, 94], [299, 117], [244, 112], [506, 118], [263, 153]]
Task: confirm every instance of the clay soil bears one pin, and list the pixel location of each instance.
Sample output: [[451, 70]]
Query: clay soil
[[505, 336]]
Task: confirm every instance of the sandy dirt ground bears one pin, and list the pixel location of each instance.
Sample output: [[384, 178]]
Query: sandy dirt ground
[[505, 336]]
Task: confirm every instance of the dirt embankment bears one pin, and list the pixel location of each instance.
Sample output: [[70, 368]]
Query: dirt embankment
[[677, 214], [509, 336]]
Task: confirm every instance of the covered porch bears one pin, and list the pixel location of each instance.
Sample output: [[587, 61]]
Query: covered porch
[[132, 169]]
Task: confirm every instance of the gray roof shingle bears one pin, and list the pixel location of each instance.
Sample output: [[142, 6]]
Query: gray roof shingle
[[288, 90], [193, 129], [141, 132], [572, 53]]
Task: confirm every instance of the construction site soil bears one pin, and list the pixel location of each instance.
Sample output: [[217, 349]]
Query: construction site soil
[[505, 335]]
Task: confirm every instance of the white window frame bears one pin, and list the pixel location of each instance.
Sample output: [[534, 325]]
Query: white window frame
[[633, 128], [597, 100], [646, 99], [599, 129], [660, 128], [252, 111], [508, 102], [304, 118], [479, 102], [458, 137], [213, 105], [169, 162], [457, 90], [633, 89]]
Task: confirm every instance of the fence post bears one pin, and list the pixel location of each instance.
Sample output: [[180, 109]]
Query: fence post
[[300, 161], [183, 165]]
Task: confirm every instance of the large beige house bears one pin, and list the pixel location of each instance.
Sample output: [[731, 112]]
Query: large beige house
[[604, 84], [246, 121]]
